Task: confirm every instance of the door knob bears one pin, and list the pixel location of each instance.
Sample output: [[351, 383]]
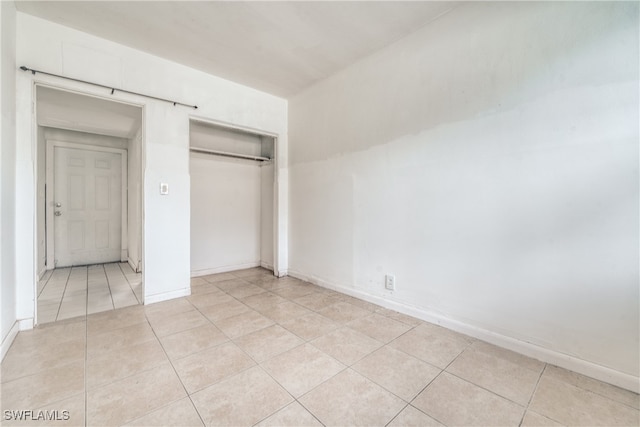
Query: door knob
[[57, 213], [58, 205]]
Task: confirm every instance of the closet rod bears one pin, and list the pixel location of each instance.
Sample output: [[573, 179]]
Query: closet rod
[[113, 89], [228, 154]]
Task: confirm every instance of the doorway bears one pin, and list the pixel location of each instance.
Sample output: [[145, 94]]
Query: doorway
[[89, 204]]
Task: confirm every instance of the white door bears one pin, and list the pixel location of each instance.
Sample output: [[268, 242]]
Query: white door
[[87, 203]]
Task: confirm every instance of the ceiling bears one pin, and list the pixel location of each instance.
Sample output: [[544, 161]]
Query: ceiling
[[277, 47], [72, 111]]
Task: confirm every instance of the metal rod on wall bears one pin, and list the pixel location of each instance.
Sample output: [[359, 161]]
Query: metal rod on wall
[[228, 154], [113, 89]]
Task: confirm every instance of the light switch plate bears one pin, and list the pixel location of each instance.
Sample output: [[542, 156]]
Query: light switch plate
[[164, 188]]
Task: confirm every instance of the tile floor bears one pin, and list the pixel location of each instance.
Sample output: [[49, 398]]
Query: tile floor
[[64, 293], [249, 349]]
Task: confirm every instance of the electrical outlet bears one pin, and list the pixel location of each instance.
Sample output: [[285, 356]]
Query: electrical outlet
[[390, 282]]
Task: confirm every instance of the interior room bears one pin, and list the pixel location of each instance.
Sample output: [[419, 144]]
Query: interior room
[[320, 213]]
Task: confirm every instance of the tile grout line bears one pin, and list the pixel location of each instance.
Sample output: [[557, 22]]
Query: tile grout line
[[487, 390], [312, 414], [484, 388], [146, 369], [104, 270], [66, 283], [177, 376], [539, 378], [305, 342], [259, 364], [435, 378], [229, 340], [346, 366], [588, 391], [535, 389], [595, 392], [398, 414], [45, 284], [421, 391], [125, 285], [42, 290], [279, 385], [129, 283]]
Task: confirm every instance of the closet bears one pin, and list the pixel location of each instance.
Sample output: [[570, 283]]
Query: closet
[[232, 198]]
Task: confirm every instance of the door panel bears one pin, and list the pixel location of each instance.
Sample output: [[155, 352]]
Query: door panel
[[88, 200], [102, 192], [75, 235], [102, 234]]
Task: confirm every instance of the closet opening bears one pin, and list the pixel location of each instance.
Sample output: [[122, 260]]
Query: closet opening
[[233, 208]]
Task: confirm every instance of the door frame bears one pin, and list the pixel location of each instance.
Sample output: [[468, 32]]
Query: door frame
[[49, 204], [28, 128]]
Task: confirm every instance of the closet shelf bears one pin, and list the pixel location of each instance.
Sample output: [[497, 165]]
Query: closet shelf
[[228, 154]]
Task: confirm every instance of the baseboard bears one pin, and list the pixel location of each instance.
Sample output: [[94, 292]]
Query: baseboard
[[572, 363], [224, 269], [266, 266], [26, 324], [151, 299], [133, 265], [18, 325], [8, 340]]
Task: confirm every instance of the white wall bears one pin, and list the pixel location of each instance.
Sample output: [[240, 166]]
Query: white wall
[[217, 138], [490, 162], [8, 316], [61, 50], [225, 214]]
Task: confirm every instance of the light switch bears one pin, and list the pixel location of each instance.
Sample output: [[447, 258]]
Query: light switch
[[164, 188]]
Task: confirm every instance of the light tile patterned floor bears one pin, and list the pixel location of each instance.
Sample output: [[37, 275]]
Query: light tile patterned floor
[[249, 349], [69, 292]]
